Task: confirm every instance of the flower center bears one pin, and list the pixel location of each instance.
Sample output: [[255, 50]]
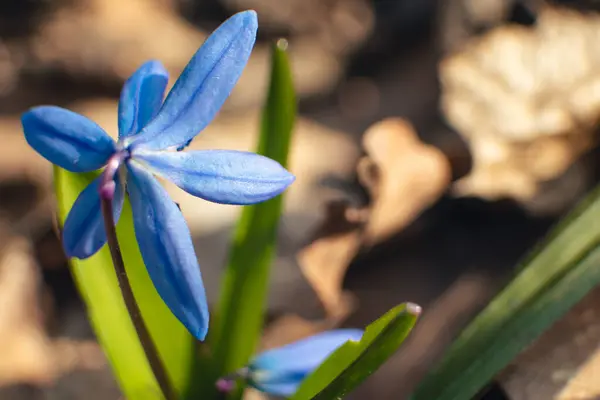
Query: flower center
[[107, 183]]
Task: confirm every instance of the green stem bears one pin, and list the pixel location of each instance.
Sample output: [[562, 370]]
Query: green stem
[[148, 345]]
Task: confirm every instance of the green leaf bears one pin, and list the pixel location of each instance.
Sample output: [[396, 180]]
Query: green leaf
[[239, 320], [549, 283], [353, 362], [97, 283]]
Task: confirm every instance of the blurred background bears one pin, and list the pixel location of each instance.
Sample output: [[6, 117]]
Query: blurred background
[[437, 142]]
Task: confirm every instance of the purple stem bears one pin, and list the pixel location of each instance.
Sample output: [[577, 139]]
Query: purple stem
[[107, 191]]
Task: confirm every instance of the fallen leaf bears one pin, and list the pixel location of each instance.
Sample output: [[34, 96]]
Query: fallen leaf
[[403, 175], [526, 101], [325, 260]]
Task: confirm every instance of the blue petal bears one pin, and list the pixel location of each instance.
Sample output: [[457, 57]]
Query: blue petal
[[285, 389], [291, 362], [141, 97], [221, 176], [67, 139], [166, 246], [203, 86], [83, 232]]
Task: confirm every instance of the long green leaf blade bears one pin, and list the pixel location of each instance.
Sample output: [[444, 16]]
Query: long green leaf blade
[[353, 362], [97, 283], [240, 316], [550, 282]]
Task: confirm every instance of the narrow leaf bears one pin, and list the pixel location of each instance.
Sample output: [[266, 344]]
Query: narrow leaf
[[352, 363], [239, 320], [97, 283], [550, 282]]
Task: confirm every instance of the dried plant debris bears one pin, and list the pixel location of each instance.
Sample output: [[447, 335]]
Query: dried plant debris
[[28, 354], [526, 101], [460, 20], [404, 177], [325, 260]]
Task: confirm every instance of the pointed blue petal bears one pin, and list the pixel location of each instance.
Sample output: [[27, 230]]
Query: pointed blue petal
[[220, 176], [166, 246], [67, 139], [291, 362], [141, 97], [203, 86], [83, 232]]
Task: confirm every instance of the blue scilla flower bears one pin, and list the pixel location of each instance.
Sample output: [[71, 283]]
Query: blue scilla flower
[[281, 370], [149, 132]]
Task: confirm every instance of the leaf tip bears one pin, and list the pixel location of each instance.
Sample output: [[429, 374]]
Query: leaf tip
[[282, 44], [413, 309]]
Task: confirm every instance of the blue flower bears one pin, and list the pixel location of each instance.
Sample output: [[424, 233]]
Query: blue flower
[[148, 129], [280, 371]]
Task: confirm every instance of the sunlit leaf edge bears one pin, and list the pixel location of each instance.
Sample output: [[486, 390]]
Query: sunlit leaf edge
[[334, 379]]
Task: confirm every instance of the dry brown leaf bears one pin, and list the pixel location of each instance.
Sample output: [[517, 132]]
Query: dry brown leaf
[[325, 260], [28, 354], [526, 101], [403, 175]]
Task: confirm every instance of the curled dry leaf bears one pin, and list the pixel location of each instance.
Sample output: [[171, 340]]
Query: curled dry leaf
[[403, 175], [28, 354], [526, 101], [325, 260]]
